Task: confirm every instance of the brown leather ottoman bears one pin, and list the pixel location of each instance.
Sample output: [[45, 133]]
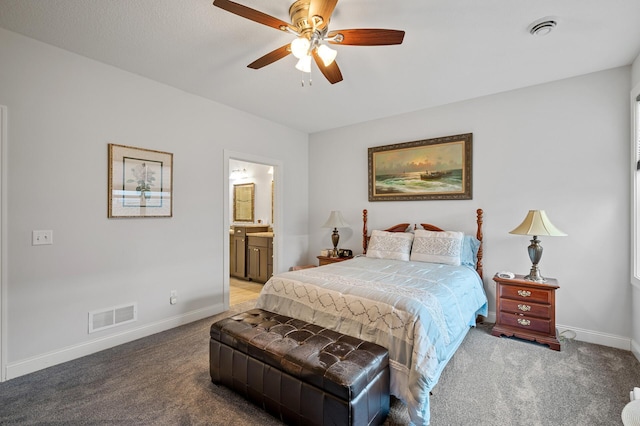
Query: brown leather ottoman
[[300, 372]]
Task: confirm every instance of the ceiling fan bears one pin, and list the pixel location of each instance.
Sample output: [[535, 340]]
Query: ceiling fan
[[310, 25]]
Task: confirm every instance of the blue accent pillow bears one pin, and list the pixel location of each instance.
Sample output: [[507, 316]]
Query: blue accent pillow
[[470, 246]]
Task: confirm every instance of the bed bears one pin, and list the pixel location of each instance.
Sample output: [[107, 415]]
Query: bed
[[415, 290]]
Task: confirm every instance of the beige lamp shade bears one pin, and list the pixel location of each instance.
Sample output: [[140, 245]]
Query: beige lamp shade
[[335, 221], [537, 223]]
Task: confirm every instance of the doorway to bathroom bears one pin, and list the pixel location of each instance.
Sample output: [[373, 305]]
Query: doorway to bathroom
[[252, 220]]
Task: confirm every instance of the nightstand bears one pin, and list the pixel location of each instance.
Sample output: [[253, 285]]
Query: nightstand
[[325, 260], [526, 309]]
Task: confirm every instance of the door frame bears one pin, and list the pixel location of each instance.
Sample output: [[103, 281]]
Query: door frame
[[278, 211], [3, 243]]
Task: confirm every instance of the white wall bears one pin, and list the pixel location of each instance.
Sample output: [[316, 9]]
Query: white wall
[[63, 110], [635, 72], [635, 343], [562, 147]]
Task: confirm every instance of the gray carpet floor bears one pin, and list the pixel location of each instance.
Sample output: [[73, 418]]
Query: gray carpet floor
[[164, 380]]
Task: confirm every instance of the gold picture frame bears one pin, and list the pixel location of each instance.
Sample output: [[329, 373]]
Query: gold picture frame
[[244, 202], [140, 182], [430, 169]]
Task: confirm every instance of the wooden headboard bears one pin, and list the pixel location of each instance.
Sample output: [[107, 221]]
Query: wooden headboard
[[402, 227]]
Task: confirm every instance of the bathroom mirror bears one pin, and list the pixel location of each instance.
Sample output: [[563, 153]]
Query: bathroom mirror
[[243, 202]]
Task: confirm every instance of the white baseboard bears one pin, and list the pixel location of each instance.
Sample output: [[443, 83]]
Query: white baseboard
[[30, 365], [635, 349], [491, 317], [39, 362], [596, 337], [588, 336]]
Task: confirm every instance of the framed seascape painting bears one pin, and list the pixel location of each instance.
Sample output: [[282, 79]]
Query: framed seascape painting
[[140, 182], [431, 169]]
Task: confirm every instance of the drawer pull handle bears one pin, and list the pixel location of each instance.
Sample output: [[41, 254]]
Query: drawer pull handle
[[525, 308], [522, 321], [524, 293]]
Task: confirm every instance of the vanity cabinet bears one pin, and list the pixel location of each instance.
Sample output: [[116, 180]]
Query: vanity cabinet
[[259, 257], [239, 248], [238, 254]]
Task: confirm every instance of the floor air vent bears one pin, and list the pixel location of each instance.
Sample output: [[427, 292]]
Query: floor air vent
[[110, 317]]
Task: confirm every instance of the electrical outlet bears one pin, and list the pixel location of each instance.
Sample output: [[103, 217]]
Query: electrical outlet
[[40, 238]]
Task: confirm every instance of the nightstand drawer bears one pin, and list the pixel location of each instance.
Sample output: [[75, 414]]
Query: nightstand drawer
[[524, 293], [538, 325], [526, 307]]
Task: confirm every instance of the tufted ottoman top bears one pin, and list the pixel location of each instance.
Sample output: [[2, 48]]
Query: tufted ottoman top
[[341, 365]]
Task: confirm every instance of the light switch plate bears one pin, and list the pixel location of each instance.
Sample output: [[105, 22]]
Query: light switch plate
[[40, 238]]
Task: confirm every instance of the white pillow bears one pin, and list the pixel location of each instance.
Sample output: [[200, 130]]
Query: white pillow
[[390, 245], [437, 247]]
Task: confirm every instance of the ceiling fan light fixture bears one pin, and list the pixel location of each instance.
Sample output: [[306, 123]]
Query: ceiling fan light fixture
[[327, 54], [304, 64], [300, 47]]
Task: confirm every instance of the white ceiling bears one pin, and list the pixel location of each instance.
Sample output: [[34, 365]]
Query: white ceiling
[[453, 50]]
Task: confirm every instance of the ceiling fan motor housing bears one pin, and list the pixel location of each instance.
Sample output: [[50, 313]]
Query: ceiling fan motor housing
[[299, 13]]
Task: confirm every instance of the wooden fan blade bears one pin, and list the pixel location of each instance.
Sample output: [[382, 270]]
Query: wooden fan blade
[[252, 14], [322, 8], [368, 37], [270, 57], [332, 72]]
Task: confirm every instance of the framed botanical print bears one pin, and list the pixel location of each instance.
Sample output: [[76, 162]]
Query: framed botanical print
[[140, 182]]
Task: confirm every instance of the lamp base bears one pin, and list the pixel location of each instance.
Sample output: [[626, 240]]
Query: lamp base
[[534, 275], [535, 254], [335, 238]]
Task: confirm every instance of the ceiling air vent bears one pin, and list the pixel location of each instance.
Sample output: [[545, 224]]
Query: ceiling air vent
[[543, 26]]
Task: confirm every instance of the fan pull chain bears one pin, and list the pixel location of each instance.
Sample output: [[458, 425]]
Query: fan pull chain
[[302, 80]]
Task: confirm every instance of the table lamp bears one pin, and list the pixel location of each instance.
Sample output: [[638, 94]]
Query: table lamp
[[335, 221], [536, 223]]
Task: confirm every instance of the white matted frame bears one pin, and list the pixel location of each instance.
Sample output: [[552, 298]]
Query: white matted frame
[[140, 182]]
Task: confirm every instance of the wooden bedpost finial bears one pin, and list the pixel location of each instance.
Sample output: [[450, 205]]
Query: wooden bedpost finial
[[479, 236], [364, 231]]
